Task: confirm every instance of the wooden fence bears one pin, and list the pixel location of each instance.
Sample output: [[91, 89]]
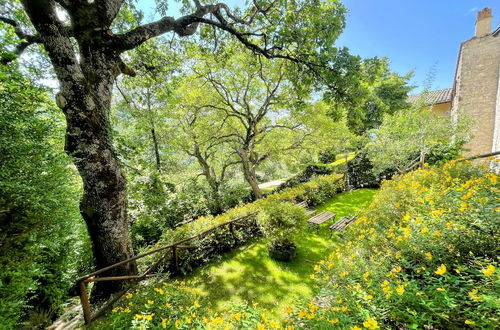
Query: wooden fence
[[174, 247]]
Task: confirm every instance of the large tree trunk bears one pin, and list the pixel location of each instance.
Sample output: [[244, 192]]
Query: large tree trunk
[[86, 83], [103, 204], [249, 174]]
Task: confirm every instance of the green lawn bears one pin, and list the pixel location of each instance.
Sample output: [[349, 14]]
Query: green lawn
[[248, 274]]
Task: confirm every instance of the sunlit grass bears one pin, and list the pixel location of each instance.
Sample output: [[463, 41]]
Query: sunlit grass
[[249, 275]]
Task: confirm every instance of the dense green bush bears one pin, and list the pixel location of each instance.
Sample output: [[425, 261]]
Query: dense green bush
[[280, 223], [43, 242], [156, 205]]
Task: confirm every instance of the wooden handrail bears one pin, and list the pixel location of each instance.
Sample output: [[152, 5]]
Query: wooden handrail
[[139, 256], [481, 156], [81, 281]]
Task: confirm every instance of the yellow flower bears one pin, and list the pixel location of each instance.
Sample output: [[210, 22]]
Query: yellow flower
[[419, 293], [218, 320], [424, 230], [187, 319], [312, 277], [311, 316], [260, 327], [138, 316], [343, 274], [196, 304], [397, 269], [289, 327], [302, 314], [368, 297], [236, 316], [148, 317], [400, 289], [313, 308], [129, 296], [274, 325], [440, 289], [150, 302], [160, 291], [334, 321], [356, 328], [370, 323], [488, 271], [127, 310], [469, 322], [441, 270], [406, 217], [344, 309], [365, 275], [288, 310], [177, 323], [428, 255], [164, 323]]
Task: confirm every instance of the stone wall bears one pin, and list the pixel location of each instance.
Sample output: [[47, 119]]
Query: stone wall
[[476, 89]]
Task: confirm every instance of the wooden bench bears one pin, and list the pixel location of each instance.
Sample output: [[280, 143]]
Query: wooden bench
[[341, 224], [306, 206], [320, 218]]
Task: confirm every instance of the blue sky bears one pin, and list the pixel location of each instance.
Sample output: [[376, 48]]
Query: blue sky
[[415, 35], [420, 35]]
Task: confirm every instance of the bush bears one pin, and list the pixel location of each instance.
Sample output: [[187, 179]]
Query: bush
[[280, 223], [424, 255], [43, 241]]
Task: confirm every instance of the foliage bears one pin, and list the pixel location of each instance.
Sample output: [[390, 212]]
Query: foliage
[[412, 133], [423, 255], [42, 238], [382, 92], [280, 223], [211, 246]]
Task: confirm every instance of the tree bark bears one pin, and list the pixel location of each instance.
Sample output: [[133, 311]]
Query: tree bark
[[103, 204], [249, 174], [85, 97]]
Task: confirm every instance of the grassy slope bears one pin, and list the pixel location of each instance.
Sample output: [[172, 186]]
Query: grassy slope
[[248, 274]]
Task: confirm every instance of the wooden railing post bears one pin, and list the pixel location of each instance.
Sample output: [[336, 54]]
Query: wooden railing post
[[175, 255], [84, 299]]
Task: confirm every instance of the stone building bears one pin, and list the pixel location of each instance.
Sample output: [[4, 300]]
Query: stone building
[[476, 87]]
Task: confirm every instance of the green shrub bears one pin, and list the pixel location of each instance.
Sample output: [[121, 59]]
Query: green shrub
[[280, 223], [43, 239]]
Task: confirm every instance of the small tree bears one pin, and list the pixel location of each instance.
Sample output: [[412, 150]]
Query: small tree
[[406, 137], [280, 224]]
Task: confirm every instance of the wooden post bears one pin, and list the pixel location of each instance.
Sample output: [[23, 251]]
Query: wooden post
[[84, 299], [175, 256]]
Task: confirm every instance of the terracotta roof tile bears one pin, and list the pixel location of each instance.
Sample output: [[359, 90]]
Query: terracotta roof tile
[[432, 97]]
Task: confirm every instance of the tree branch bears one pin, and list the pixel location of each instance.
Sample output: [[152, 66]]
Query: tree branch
[[27, 40]]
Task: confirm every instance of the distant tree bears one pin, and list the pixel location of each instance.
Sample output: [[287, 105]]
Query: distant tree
[[255, 112], [381, 92]]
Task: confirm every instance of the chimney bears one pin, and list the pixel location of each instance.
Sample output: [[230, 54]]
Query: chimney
[[483, 22]]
